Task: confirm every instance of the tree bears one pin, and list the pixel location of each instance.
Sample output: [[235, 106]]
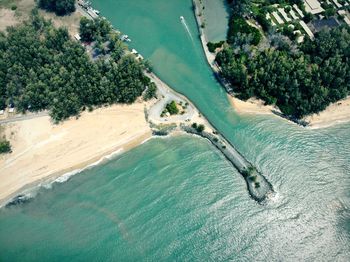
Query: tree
[[63, 7], [60, 7], [200, 128], [151, 92], [172, 108], [299, 82], [241, 7], [5, 146], [87, 29], [41, 68]]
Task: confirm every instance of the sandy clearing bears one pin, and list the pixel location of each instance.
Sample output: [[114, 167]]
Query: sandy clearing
[[7, 18]]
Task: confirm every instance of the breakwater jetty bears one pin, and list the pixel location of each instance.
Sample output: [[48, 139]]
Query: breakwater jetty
[[258, 186]]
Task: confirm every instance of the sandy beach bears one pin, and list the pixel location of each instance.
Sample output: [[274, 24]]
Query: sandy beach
[[335, 113], [251, 106], [42, 149]]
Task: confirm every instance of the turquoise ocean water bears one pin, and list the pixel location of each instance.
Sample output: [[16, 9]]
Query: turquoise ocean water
[[178, 198]]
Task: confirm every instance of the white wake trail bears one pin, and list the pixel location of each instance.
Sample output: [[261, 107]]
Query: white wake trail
[[183, 21]]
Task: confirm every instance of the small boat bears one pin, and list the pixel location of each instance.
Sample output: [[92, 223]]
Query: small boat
[[125, 38], [182, 18]]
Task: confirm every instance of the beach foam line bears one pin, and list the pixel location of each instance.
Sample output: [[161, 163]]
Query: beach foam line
[[32, 192]]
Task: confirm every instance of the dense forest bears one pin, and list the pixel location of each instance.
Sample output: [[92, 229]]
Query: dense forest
[[60, 7], [42, 68], [300, 81], [299, 78]]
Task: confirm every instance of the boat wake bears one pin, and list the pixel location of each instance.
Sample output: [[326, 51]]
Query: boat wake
[[183, 21]]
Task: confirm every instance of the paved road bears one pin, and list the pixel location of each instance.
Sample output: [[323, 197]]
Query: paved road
[[24, 117], [168, 95]]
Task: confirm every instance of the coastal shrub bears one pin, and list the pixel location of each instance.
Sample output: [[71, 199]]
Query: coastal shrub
[[172, 108], [60, 7], [14, 7], [151, 92], [194, 125], [257, 184], [253, 178], [200, 128], [212, 46], [5, 146]]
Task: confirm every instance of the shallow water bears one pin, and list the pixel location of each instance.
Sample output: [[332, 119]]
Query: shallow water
[[216, 13], [178, 198]]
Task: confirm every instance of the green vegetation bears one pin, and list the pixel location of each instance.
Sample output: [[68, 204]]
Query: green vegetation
[[199, 128], [92, 30], [172, 108], [213, 46], [60, 7], [5, 146], [247, 172], [240, 31], [151, 92], [240, 7], [42, 68], [299, 82]]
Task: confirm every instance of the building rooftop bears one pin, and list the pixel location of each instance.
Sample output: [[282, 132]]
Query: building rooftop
[[324, 23], [307, 30], [313, 7]]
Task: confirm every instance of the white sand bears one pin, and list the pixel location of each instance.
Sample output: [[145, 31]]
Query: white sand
[[251, 106], [335, 113], [42, 150]]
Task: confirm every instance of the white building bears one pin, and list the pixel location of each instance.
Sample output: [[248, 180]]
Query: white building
[[296, 8], [283, 13], [77, 37], [307, 30], [313, 7], [278, 18]]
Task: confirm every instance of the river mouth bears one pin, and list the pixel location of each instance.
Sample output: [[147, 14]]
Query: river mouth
[[178, 198]]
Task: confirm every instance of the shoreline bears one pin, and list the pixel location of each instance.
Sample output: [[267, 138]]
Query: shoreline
[[43, 152], [327, 118], [64, 175]]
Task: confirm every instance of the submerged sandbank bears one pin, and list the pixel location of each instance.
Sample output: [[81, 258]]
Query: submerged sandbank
[[42, 150]]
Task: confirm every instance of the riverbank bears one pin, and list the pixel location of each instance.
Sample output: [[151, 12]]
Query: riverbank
[[42, 150], [334, 114]]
